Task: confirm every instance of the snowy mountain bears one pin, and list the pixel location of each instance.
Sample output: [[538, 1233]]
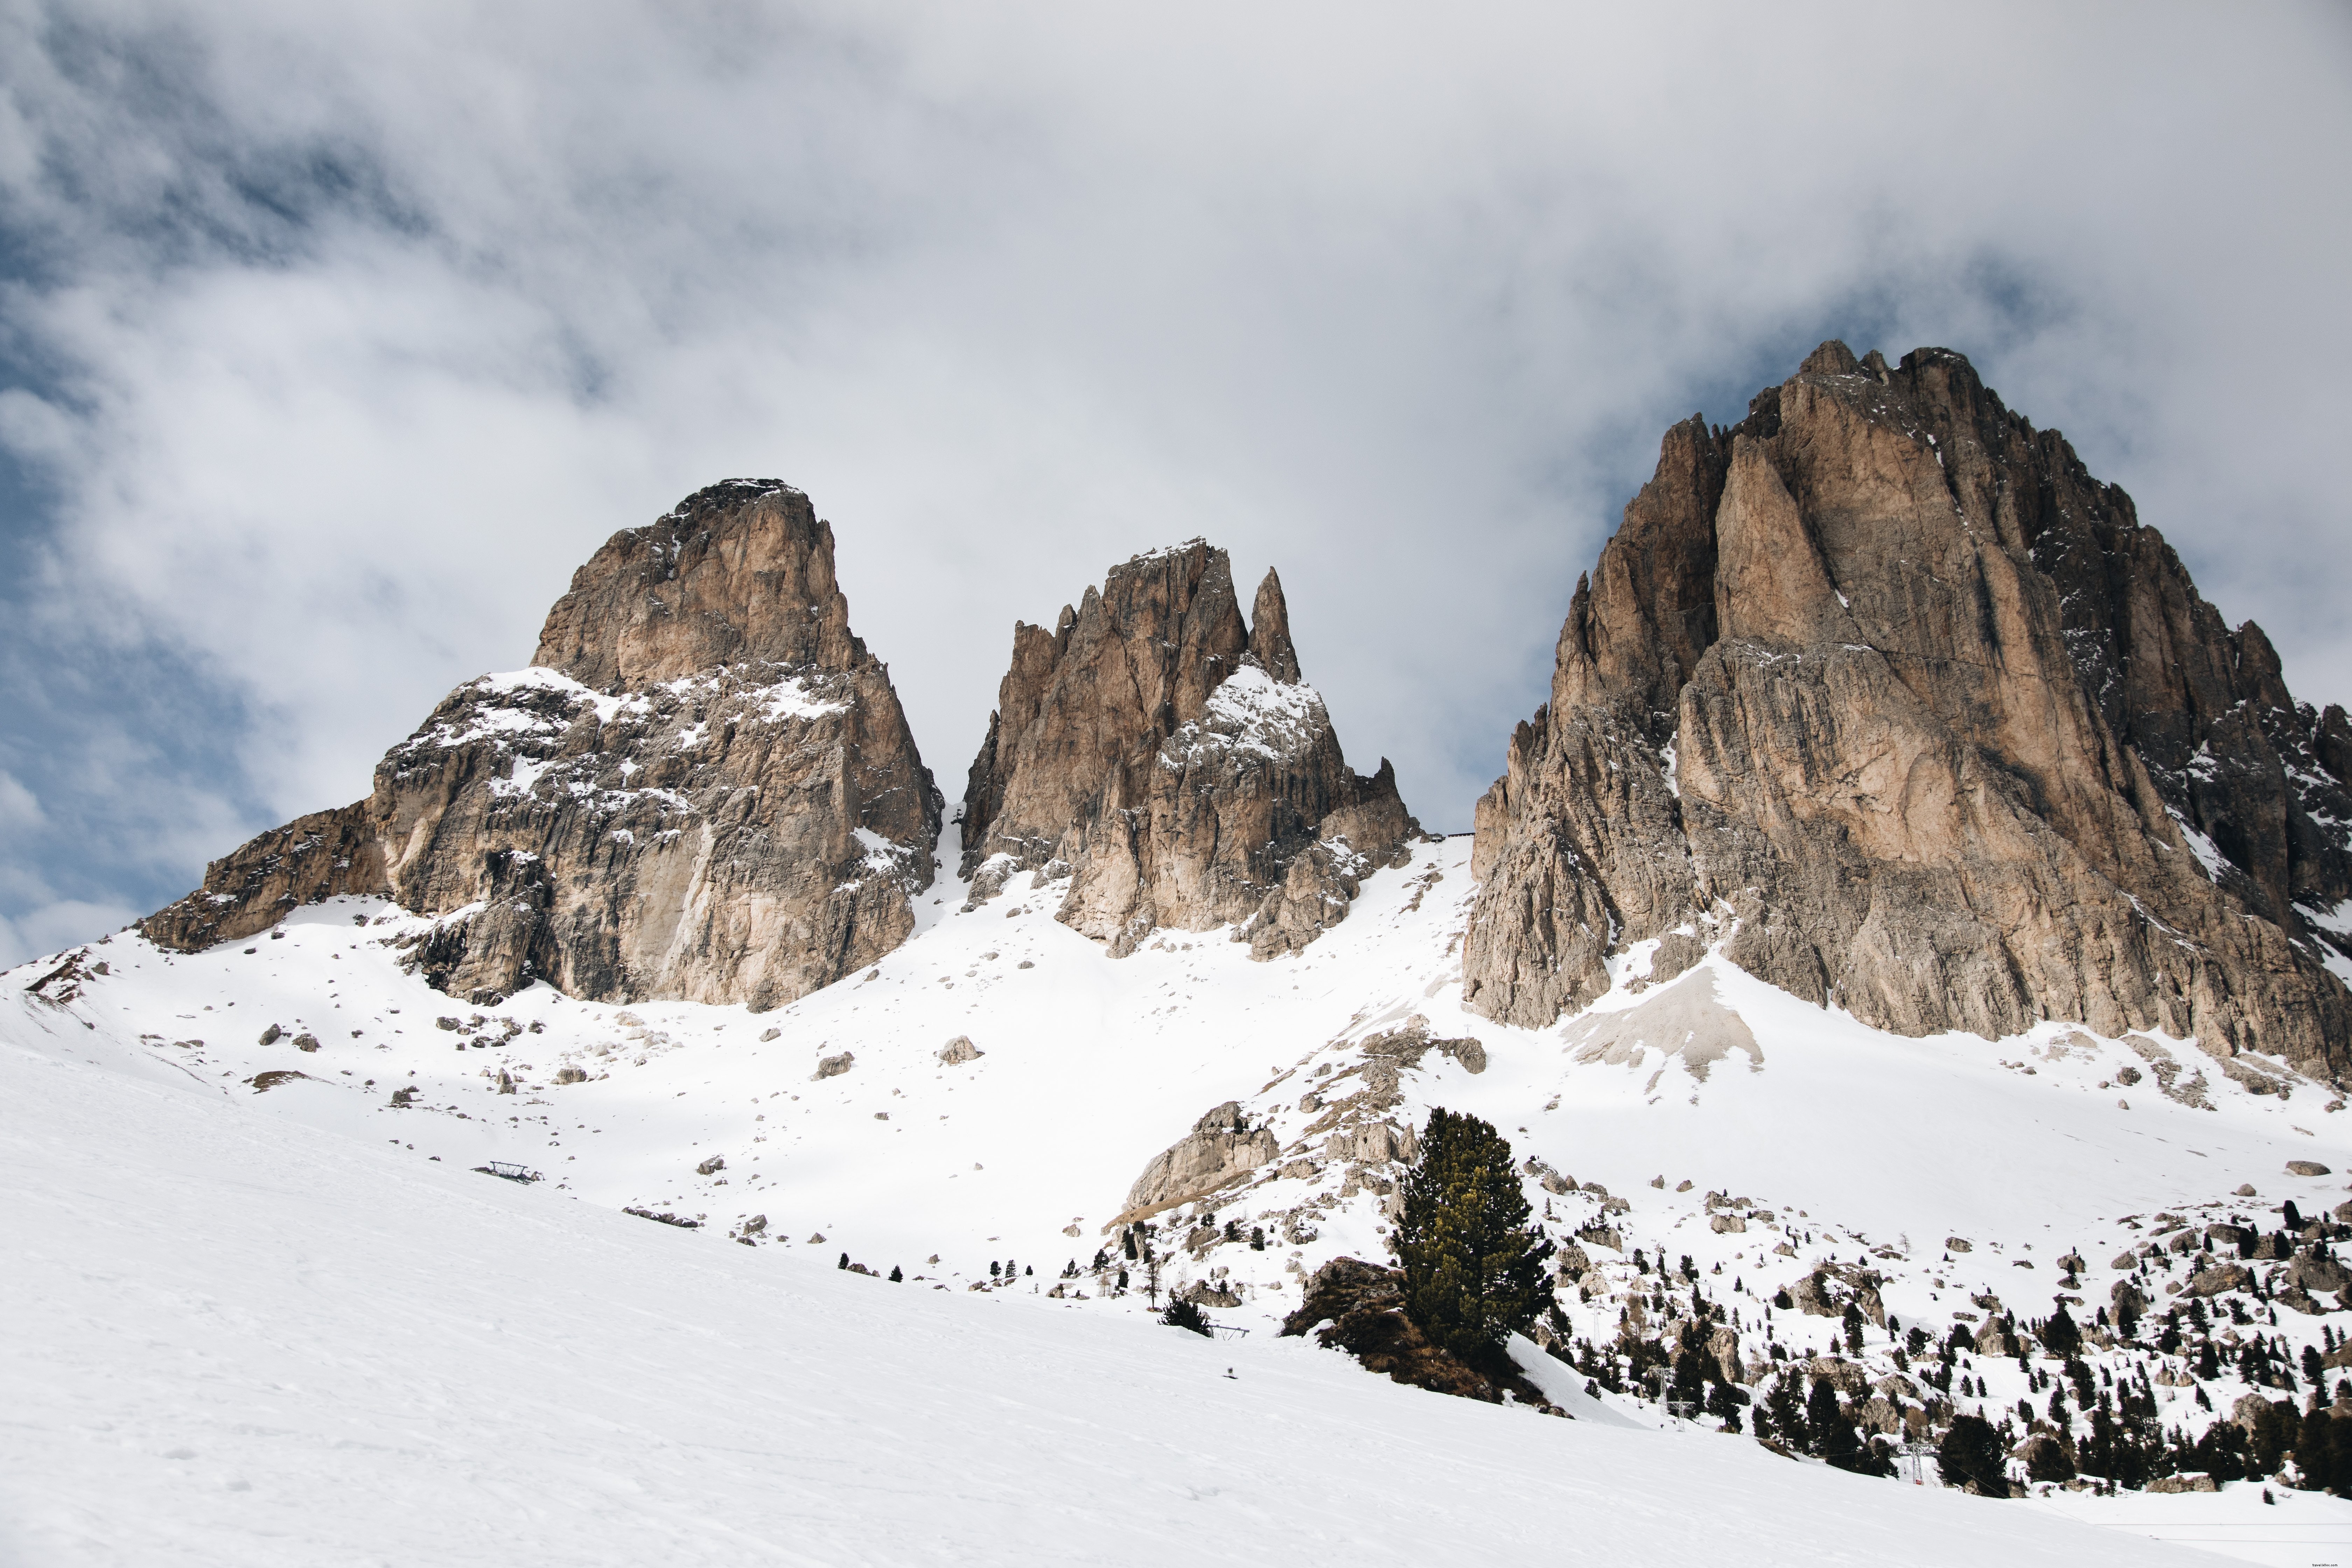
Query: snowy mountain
[[866, 1155]]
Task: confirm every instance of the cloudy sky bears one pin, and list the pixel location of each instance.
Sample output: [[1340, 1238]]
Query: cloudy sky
[[333, 338]]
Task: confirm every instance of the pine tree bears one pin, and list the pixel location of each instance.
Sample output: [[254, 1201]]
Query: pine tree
[[1474, 1266], [1853, 1323], [896, 1277], [2060, 1335], [1969, 1456], [1823, 1421], [844, 1261]]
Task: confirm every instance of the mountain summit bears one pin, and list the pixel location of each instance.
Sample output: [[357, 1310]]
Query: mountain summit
[[1883, 686], [1168, 758], [702, 789]]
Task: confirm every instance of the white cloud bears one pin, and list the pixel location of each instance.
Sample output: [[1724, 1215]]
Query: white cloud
[[1397, 303]]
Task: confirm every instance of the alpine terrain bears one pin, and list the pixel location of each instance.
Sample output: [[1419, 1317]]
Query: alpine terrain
[[1900, 976]]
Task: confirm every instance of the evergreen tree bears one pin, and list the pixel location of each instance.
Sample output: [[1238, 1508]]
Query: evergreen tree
[[1474, 1266], [2060, 1335], [1784, 1412], [1184, 1314], [1828, 1434], [1969, 1456], [1852, 1324], [844, 1261], [896, 1277]]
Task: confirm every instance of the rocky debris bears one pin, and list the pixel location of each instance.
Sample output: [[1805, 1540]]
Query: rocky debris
[[305, 1041], [1221, 1147], [1168, 758], [569, 1074], [2305, 1168], [1687, 1022], [2183, 1483], [1881, 690], [272, 1035], [703, 788], [711, 1167], [834, 1066], [263, 1082], [961, 1049]]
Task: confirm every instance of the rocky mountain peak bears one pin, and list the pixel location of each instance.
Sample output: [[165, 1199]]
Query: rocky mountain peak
[[704, 789], [1165, 757], [1881, 686], [1270, 631], [739, 571]]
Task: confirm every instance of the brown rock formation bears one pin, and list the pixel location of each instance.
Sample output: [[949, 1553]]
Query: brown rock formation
[[1882, 684], [1169, 761], [703, 788]]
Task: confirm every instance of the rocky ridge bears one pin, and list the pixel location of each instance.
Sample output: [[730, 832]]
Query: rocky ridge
[[703, 788], [1881, 686], [1165, 757]]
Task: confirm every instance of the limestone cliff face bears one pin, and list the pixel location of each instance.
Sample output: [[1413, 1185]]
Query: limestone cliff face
[[1165, 756], [1883, 684], [703, 788]]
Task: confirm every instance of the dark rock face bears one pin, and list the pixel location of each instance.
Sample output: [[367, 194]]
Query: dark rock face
[[1169, 761], [1880, 683], [704, 789]]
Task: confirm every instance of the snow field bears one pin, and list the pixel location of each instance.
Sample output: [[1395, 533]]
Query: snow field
[[239, 1340]]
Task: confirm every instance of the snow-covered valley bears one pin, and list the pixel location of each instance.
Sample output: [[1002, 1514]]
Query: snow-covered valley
[[300, 1282]]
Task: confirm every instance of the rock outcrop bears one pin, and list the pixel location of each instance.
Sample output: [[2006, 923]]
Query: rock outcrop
[[703, 788], [1221, 1146], [1166, 757], [1880, 685]]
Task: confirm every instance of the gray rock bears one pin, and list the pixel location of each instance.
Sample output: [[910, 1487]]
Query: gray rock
[[705, 788], [961, 1049], [1884, 578], [1168, 757], [712, 1167], [2305, 1168], [834, 1066], [1221, 1146]]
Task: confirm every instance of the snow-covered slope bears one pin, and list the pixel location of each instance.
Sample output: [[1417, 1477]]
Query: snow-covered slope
[[1708, 1117], [235, 1339]]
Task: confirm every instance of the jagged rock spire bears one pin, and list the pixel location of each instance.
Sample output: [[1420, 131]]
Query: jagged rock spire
[[1167, 760]]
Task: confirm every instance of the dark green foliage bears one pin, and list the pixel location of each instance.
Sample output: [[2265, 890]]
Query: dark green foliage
[[1474, 1266], [2323, 1453], [1724, 1406], [1184, 1314], [1853, 1323], [2047, 1461], [1824, 1420], [1969, 1456], [2060, 1335], [844, 1261], [1783, 1415], [896, 1277]]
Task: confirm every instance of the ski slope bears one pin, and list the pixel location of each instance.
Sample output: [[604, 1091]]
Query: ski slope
[[327, 1263], [236, 1339]]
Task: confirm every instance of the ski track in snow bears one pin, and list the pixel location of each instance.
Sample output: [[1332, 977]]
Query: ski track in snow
[[308, 1292]]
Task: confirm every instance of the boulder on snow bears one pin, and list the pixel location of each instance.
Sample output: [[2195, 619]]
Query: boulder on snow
[[1221, 1146], [2222, 1277], [959, 1050], [2305, 1168], [834, 1067], [712, 1167]]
